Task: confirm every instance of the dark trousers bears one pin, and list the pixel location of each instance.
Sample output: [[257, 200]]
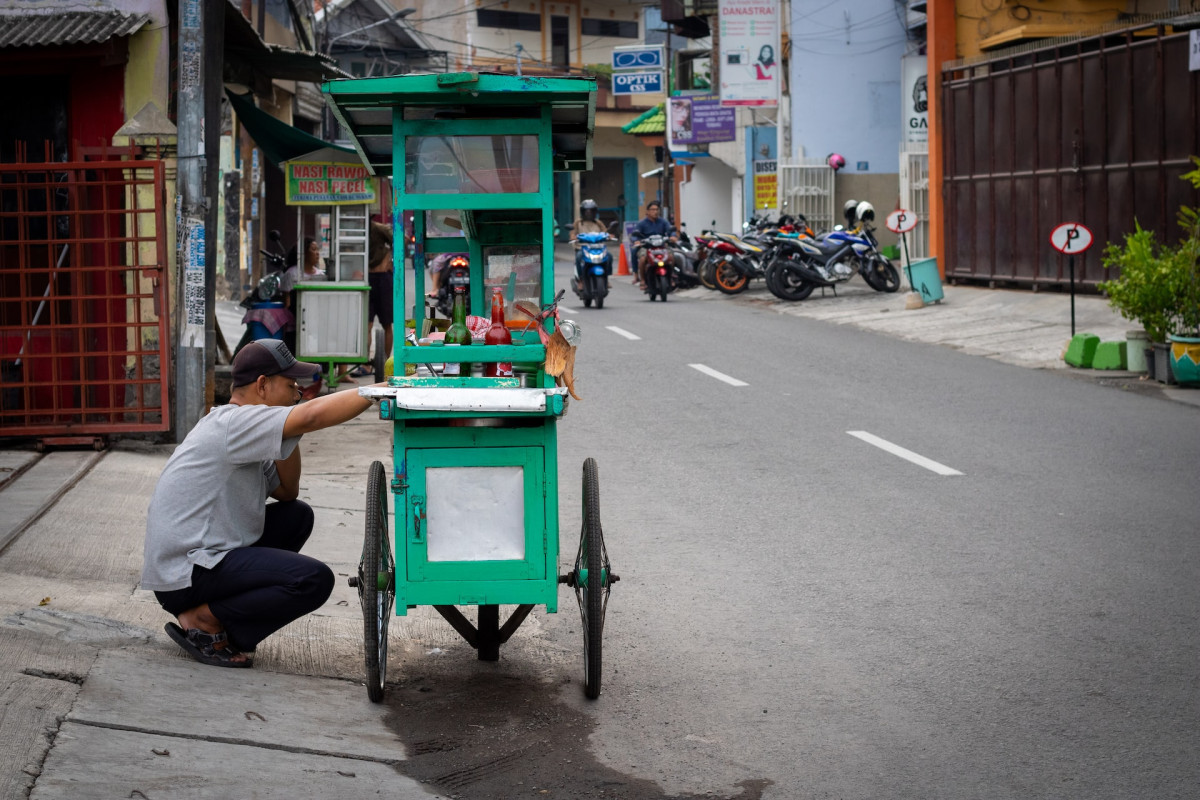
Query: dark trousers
[[254, 591]]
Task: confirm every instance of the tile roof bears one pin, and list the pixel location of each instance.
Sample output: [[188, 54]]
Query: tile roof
[[20, 28], [651, 122]]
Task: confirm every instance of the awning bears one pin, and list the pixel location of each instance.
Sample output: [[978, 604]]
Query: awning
[[278, 140], [649, 123], [37, 28], [248, 59]]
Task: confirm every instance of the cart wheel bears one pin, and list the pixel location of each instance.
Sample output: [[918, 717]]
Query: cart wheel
[[592, 580], [380, 357], [376, 582]]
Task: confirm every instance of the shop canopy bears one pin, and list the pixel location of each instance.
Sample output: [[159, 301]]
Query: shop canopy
[[279, 141], [366, 108]]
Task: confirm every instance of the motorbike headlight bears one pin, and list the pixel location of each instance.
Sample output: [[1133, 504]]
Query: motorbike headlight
[[268, 287]]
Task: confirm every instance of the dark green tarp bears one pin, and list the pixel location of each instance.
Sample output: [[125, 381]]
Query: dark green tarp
[[279, 141]]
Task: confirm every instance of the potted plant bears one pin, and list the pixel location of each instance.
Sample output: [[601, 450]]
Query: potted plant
[[1185, 338], [1159, 287]]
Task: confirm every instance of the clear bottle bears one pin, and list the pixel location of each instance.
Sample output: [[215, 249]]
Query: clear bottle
[[497, 334], [458, 334]]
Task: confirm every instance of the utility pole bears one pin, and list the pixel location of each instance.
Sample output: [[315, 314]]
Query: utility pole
[[664, 183], [201, 42]]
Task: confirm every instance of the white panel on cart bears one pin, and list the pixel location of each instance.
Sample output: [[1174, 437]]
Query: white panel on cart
[[475, 513]]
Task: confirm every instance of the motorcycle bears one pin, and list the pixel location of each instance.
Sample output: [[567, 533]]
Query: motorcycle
[[733, 262], [592, 285], [457, 272], [265, 312], [660, 262], [686, 257], [803, 264]]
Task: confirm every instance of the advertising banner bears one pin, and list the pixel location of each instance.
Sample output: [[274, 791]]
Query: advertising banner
[[914, 102], [311, 183], [750, 63], [766, 184], [700, 120]]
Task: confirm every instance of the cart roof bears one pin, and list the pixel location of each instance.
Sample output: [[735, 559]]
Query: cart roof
[[364, 106]]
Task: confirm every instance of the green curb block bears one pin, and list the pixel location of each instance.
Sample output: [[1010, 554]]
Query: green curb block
[[1082, 350], [1110, 355]]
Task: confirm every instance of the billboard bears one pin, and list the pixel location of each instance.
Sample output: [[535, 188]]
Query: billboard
[[700, 120], [750, 63]]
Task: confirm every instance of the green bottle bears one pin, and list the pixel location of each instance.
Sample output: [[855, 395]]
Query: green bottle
[[458, 334]]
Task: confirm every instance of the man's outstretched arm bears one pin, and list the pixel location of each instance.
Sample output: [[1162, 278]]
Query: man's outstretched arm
[[325, 412]]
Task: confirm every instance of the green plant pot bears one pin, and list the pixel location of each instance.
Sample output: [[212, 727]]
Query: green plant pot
[[1185, 360]]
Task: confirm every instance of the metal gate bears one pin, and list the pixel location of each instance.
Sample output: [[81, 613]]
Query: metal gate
[[84, 344], [914, 195], [806, 187], [1096, 131]]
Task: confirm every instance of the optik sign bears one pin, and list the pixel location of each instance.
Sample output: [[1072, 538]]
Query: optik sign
[[637, 82], [914, 100]]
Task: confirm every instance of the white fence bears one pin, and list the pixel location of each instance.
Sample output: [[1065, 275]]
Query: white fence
[[806, 187]]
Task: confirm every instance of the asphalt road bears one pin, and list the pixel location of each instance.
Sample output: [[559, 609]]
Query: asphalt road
[[801, 607]]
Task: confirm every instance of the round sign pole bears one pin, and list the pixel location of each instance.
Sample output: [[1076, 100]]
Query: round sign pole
[[902, 221], [1070, 238]]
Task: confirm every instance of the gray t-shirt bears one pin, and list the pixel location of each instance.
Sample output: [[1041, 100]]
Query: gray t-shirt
[[211, 496]]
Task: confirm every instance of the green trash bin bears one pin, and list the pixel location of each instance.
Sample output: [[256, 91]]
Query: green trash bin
[[924, 278]]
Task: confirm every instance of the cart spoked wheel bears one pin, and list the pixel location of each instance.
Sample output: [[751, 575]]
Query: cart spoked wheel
[[380, 357], [592, 580], [376, 582]]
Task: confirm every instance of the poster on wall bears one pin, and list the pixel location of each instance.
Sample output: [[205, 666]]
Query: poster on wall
[[750, 61], [766, 184], [914, 100], [700, 119]]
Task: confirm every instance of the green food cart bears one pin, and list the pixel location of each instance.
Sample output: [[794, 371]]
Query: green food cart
[[474, 478]]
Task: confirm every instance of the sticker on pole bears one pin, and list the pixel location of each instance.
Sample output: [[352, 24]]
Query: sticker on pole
[[1070, 238], [901, 221]]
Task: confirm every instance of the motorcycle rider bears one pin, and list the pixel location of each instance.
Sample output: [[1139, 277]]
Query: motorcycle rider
[[649, 226], [588, 222]]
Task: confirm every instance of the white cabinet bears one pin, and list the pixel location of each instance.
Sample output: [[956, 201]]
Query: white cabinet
[[332, 321]]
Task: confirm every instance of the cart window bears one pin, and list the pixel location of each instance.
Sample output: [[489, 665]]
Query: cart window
[[517, 267], [471, 164], [443, 224], [476, 513]]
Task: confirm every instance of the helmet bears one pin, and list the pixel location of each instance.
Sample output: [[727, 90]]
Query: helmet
[[836, 161], [865, 211], [848, 211], [587, 210]]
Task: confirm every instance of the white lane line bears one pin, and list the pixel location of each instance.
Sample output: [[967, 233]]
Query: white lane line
[[721, 376], [566, 310], [907, 455], [633, 337]]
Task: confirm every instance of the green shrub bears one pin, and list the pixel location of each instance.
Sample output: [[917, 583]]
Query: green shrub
[[1159, 286]]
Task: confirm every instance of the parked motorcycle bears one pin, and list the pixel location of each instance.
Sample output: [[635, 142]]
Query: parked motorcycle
[[265, 314], [802, 264], [686, 257], [592, 284], [734, 262]]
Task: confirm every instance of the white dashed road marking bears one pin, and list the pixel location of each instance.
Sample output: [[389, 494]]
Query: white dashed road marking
[[633, 337], [721, 376], [907, 455]]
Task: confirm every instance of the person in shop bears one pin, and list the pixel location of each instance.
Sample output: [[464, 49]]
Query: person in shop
[[218, 557], [588, 222], [650, 225]]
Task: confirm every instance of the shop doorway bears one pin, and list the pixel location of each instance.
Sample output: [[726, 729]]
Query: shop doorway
[[612, 183]]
